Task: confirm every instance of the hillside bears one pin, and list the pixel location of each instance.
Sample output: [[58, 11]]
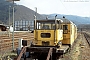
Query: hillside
[[24, 13], [76, 19], [21, 12], [4, 8]]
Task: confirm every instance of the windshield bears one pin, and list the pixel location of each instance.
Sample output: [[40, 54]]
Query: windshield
[[47, 25]]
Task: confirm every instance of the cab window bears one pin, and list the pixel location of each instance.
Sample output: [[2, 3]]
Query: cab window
[[65, 29]]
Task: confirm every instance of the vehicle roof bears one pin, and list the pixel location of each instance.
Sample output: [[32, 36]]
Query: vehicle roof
[[66, 21], [63, 20]]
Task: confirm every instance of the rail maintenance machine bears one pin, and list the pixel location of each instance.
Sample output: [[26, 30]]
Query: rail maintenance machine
[[48, 37]]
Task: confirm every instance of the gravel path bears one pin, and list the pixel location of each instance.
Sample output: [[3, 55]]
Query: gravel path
[[80, 50], [85, 52]]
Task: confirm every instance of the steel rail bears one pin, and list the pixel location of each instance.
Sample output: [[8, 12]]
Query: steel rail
[[49, 54], [21, 53], [87, 37]]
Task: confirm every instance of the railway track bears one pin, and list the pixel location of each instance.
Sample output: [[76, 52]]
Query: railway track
[[87, 37], [43, 56]]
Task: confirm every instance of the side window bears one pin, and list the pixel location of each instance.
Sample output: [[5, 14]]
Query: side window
[[45, 35], [65, 29], [45, 27]]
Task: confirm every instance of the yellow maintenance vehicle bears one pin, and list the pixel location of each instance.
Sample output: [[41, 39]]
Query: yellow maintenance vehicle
[[52, 38]]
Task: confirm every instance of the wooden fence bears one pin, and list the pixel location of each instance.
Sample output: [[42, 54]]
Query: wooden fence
[[6, 40]]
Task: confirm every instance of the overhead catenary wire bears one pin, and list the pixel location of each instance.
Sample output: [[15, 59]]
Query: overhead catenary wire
[[65, 7]]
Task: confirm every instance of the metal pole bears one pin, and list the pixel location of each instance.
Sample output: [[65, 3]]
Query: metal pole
[[55, 22], [35, 18], [35, 24], [36, 11], [9, 16], [35, 21], [9, 21], [55, 29], [13, 26]]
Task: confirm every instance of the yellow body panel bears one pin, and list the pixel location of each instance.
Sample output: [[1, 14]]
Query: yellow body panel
[[50, 34], [69, 37], [66, 39], [39, 39], [45, 31], [59, 34], [51, 39], [66, 36]]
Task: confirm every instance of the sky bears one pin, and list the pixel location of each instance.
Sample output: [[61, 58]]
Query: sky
[[67, 7]]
